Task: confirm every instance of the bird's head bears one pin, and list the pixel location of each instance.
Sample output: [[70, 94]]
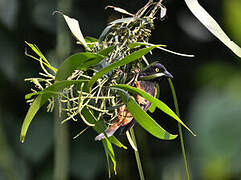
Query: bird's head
[[153, 72]]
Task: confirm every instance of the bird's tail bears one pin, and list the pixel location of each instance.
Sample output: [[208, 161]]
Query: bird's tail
[[109, 132]]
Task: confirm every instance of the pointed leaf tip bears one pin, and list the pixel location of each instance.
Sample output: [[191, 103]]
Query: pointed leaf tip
[[74, 27], [22, 138]]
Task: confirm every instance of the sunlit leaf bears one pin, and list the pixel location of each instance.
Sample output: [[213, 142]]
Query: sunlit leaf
[[144, 119], [90, 41], [212, 25], [123, 11], [159, 104], [127, 59], [41, 56], [74, 27], [131, 141]]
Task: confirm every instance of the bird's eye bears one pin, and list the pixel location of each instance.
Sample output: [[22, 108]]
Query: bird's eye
[[157, 69]]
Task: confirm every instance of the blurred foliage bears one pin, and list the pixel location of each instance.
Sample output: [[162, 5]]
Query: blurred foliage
[[213, 92], [216, 116], [231, 10]]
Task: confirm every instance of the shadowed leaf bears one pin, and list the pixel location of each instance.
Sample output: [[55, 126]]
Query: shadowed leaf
[[127, 59]]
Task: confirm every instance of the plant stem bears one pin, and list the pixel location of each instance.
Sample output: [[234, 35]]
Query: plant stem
[[138, 160], [61, 149], [179, 127]]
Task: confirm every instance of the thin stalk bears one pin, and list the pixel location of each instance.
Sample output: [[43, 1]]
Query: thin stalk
[[61, 144], [138, 160], [179, 127]]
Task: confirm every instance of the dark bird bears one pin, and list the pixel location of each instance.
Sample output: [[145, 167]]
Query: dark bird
[[146, 81]]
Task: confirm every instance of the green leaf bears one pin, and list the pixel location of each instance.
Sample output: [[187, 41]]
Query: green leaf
[[127, 59], [91, 42], [159, 104], [145, 120], [74, 27], [110, 152], [72, 63], [35, 106], [40, 100], [100, 126], [102, 53], [80, 61], [41, 56], [37, 51], [107, 158], [106, 51]]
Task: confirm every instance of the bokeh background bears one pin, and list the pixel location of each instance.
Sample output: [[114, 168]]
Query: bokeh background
[[208, 89]]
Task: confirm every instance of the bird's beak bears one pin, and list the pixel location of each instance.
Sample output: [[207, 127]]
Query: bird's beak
[[167, 74]]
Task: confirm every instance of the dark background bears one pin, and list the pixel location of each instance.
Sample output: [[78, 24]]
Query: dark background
[[208, 89]]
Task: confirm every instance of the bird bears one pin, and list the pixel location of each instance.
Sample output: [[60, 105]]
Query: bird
[[146, 80]]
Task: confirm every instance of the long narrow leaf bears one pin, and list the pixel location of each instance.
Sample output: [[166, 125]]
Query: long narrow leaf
[[159, 104], [110, 152], [107, 158], [143, 118], [127, 59], [38, 52], [40, 100], [147, 122], [212, 25], [35, 106]]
